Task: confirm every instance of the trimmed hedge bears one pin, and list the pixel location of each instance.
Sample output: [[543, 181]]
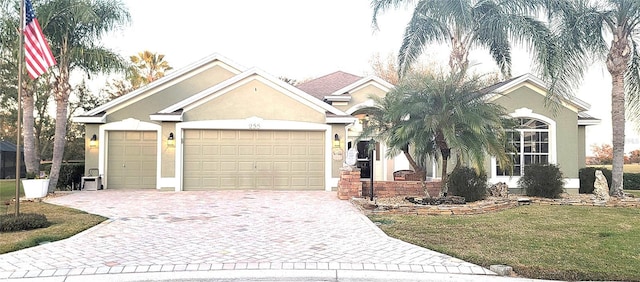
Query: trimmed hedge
[[542, 180], [587, 177], [631, 181], [24, 221]]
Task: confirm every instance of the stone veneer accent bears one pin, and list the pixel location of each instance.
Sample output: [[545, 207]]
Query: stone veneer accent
[[388, 189], [490, 205]]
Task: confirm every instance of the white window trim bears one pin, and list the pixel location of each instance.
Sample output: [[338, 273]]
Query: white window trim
[[512, 181]]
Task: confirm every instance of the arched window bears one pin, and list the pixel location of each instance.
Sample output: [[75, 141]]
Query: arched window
[[531, 145]]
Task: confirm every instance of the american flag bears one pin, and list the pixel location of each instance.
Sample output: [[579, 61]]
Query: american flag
[[37, 52]]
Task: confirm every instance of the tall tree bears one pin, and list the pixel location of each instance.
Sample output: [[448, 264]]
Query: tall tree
[[75, 28], [463, 25], [604, 31], [441, 116]]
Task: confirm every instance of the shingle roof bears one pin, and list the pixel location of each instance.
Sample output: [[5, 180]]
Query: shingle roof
[[328, 84], [490, 88]]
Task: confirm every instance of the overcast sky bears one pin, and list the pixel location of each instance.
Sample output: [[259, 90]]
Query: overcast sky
[[302, 39]]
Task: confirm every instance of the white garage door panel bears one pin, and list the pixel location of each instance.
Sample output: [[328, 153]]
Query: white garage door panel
[[230, 159]]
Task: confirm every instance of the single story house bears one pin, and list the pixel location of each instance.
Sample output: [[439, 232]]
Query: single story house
[[217, 125]]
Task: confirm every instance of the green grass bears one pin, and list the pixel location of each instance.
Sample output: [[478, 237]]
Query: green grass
[[66, 222], [546, 242], [634, 192], [7, 193], [627, 168]]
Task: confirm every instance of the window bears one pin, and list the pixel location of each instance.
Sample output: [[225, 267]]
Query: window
[[531, 145]]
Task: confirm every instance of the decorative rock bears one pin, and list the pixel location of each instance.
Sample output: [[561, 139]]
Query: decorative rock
[[600, 187], [499, 189], [502, 270], [524, 201]]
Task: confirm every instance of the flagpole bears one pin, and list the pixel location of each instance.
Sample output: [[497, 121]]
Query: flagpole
[[19, 126]]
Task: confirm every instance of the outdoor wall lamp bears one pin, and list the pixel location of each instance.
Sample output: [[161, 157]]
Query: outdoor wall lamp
[[336, 140], [93, 142], [170, 141]]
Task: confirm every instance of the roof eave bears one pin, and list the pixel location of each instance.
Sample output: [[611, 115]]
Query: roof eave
[[90, 119], [340, 120], [166, 117]]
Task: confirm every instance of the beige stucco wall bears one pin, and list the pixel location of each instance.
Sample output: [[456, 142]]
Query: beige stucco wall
[[362, 95], [167, 153], [582, 147], [254, 98], [336, 164], [141, 108], [567, 145], [91, 154]]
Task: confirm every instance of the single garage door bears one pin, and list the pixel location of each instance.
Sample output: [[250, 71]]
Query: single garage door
[[243, 159], [131, 161]]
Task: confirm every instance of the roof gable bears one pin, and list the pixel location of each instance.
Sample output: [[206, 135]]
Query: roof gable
[[171, 112], [501, 88], [164, 82]]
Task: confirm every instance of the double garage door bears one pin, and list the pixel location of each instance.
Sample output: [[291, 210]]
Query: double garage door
[[243, 159]]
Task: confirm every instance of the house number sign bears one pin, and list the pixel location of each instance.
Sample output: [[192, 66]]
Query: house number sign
[[254, 122]]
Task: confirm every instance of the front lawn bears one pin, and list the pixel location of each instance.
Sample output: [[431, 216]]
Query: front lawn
[[66, 222], [547, 242], [7, 193]]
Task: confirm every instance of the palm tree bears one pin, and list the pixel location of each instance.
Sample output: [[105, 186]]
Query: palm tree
[[147, 67], [607, 31], [9, 70], [74, 28], [463, 25], [440, 117]]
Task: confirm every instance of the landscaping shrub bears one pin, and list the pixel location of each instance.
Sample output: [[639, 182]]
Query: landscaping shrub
[[588, 177], [465, 182], [70, 175], [24, 221], [631, 181], [542, 180]]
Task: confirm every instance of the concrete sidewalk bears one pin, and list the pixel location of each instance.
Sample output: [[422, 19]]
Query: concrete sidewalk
[[164, 234]]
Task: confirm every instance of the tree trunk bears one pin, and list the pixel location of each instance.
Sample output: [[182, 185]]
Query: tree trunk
[[62, 90], [618, 127], [617, 61], [445, 161], [416, 168], [31, 156]]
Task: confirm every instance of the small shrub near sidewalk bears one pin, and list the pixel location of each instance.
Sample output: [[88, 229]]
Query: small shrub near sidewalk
[[542, 180], [24, 221], [465, 182]]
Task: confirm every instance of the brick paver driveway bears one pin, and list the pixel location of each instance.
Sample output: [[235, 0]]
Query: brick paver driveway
[[152, 231]]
